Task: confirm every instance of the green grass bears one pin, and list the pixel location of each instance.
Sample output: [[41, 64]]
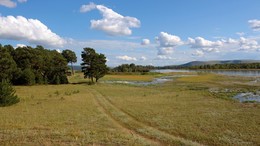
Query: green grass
[[181, 112]]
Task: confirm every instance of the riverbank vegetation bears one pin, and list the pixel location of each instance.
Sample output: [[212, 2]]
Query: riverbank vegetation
[[227, 66]]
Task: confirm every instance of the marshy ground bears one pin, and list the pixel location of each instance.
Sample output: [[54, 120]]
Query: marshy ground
[[189, 110]]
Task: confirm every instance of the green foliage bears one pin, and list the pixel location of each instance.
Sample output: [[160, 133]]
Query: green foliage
[[56, 72], [7, 64], [7, 94], [27, 77], [70, 56], [132, 68], [94, 64], [27, 65], [228, 66], [39, 78]]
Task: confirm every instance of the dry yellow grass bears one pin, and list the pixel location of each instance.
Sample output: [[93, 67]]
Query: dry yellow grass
[[181, 112], [59, 115]]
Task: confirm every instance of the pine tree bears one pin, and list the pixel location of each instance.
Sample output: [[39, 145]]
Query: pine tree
[[94, 64], [7, 94]]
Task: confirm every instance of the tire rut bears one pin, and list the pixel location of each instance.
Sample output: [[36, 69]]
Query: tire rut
[[132, 125], [136, 135]]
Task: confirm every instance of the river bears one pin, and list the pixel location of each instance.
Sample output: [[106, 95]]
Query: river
[[247, 73]]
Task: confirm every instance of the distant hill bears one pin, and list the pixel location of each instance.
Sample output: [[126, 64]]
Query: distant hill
[[75, 67], [198, 63]]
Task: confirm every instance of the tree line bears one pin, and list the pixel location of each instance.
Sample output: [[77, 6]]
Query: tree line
[[216, 66], [228, 66], [132, 68], [28, 65]]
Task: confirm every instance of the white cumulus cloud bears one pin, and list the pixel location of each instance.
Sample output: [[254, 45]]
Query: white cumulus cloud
[[87, 8], [126, 58], [198, 53], [163, 57], [30, 30], [248, 44], [167, 42], [204, 45], [8, 3], [112, 23], [254, 24], [145, 42], [200, 42], [165, 50], [20, 45], [229, 41]]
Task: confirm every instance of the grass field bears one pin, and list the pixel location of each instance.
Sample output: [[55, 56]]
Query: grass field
[[184, 111]]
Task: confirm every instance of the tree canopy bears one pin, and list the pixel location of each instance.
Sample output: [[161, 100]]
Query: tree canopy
[[94, 64], [70, 57], [8, 66], [27, 65], [132, 68]]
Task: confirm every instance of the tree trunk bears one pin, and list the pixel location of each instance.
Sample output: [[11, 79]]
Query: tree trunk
[[92, 80], [72, 69]]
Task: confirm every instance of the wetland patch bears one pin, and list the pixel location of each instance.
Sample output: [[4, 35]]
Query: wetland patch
[[248, 97]]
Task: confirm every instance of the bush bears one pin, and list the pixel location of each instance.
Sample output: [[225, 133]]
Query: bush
[[64, 79], [7, 94]]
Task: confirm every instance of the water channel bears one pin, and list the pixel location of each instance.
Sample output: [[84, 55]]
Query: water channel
[[246, 73]]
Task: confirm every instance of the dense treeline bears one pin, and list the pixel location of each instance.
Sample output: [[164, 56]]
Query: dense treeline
[[28, 66], [132, 68], [228, 66], [216, 66]]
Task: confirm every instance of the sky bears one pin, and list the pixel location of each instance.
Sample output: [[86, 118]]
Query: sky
[[144, 32]]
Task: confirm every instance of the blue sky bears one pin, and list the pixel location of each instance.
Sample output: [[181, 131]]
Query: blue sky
[[147, 32]]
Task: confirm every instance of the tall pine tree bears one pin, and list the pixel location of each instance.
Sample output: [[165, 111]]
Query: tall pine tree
[[94, 64]]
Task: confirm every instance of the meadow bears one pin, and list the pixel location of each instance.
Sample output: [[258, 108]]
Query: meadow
[[189, 110]]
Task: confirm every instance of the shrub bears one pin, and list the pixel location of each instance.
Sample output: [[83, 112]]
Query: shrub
[[7, 94]]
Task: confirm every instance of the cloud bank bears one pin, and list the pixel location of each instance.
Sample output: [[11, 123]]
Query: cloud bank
[[30, 30], [112, 23]]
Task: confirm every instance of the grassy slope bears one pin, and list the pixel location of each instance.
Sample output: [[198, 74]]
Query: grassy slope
[[114, 114]]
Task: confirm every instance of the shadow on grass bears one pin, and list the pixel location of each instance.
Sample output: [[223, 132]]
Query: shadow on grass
[[84, 83]]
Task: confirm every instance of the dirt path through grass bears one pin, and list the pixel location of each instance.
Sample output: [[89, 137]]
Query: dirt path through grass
[[104, 109], [137, 128]]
